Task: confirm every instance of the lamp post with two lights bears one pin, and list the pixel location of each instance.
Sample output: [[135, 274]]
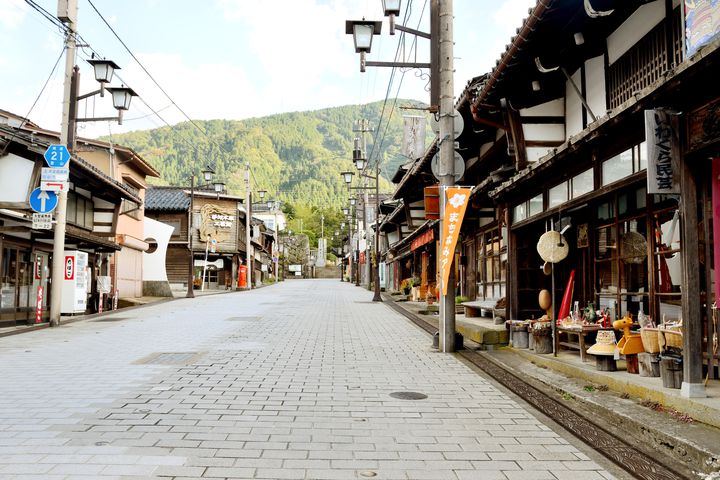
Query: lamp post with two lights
[[104, 70], [441, 102]]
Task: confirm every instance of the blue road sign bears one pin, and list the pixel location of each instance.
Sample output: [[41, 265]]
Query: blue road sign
[[57, 156], [43, 201]]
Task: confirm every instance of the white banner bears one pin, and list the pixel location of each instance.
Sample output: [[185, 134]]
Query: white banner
[[414, 137], [662, 138]]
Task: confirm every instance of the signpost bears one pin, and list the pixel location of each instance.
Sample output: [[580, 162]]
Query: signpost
[[54, 179], [42, 201], [42, 221], [57, 156]]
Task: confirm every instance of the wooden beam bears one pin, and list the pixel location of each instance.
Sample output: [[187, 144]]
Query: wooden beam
[[691, 311]]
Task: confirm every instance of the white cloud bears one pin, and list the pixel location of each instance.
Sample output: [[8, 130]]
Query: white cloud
[[12, 13]]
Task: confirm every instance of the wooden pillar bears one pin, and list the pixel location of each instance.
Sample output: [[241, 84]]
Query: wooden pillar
[[692, 385]]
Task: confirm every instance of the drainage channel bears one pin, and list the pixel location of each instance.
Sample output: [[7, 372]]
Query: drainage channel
[[612, 447]]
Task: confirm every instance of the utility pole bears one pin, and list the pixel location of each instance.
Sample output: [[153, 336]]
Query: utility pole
[[447, 157], [248, 226], [67, 12], [361, 127]]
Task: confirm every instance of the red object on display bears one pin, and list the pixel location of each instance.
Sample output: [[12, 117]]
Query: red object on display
[[567, 298], [242, 276]]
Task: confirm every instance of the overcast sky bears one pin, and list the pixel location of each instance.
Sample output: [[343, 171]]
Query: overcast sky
[[234, 59]]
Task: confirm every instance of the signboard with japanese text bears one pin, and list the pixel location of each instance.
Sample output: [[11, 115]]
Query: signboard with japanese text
[[457, 202], [217, 220], [663, 149]]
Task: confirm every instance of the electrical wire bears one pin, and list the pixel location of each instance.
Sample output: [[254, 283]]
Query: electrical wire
[[25, 118]]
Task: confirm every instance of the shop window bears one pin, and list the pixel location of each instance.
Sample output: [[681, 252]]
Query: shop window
[[491, 265], [535, 205], [582, 183], [130, 208], [625, 164], [621, 254], [8, 277], [528, 208], [617, 167], [558, 195], [520, 212]]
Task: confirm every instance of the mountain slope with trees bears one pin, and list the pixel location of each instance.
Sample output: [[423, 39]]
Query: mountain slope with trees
[[297, 157]]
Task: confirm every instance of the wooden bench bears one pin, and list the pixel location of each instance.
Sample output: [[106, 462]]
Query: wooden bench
[[480, 308], [575, 338]]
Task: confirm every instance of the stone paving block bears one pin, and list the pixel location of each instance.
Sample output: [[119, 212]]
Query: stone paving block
[[301, 392]]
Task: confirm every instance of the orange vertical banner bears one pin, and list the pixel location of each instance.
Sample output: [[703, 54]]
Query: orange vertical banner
[[457, 202]]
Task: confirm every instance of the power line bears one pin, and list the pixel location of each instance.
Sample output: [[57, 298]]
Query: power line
[[146, 71]]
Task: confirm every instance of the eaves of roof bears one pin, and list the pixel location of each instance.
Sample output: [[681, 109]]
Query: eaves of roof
[[39, 145], [409, 238], [585, 139], [132, 156]]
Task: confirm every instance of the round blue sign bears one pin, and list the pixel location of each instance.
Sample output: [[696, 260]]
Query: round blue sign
[[42, 201]]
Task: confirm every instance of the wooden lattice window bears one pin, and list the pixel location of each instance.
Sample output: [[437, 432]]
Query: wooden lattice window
[[646, 62]]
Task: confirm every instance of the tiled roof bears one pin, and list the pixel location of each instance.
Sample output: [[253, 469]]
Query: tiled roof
[[166, 199]]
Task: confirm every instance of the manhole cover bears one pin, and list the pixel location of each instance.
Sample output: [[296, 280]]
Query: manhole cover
[[408, 395], [111, 319], [241, 319], [169, 358]]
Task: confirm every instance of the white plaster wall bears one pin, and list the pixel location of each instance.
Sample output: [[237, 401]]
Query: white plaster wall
[[595, 83], [540, 132], [634, 28], [15, 175], [553, 108], [573, 107], [154, 263], [536, 153]]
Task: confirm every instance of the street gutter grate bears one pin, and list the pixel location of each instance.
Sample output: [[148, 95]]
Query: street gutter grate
[[169, 358], [111, 319]]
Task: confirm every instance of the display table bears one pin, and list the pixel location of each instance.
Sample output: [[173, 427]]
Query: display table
[[574, 338]]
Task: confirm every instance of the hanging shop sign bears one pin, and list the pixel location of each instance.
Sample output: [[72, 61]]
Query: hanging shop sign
[[663, 175], [414, 136], [457, 202], [432, 202], [702, 24]]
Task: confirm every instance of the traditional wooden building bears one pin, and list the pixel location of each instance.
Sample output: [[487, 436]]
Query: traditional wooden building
[[599, 122], [94, 207]]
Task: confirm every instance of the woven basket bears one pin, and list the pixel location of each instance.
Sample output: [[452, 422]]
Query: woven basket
[[649, 338], [673, 338]]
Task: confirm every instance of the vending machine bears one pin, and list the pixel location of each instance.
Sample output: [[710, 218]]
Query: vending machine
[[74, 287]]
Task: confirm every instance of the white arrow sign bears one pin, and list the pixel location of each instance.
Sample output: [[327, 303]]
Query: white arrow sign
[[43, 198]]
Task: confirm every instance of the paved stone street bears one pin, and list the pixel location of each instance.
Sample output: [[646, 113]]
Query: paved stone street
[[292, 381]]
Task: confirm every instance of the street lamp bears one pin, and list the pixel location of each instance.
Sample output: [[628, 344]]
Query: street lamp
[[218, 187], [442, 102], [103, 71]]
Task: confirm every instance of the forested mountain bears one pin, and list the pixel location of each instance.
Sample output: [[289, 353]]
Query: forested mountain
[[297, 157]]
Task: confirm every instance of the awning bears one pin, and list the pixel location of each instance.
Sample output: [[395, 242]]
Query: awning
[[426, 237]]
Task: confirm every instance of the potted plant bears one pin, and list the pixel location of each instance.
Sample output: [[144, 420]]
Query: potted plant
[[405, 286]]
